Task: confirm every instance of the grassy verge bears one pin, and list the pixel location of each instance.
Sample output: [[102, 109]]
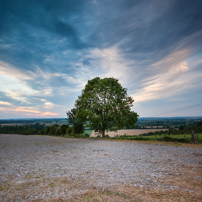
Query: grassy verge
[[184, 138], [88, 132]]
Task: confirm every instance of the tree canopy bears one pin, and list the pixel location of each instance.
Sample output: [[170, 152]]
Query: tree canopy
[[63, 129], [106, 105]]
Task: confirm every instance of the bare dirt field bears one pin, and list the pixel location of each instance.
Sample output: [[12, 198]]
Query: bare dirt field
[[44, 168], [127, 132]]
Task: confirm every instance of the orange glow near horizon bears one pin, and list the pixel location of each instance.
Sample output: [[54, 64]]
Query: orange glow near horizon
[[30, 110]]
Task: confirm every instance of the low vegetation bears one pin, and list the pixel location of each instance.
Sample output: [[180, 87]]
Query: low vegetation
[[171, 135]]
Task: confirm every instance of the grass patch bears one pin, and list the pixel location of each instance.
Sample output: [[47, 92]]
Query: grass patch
[[88, 131], [183, 138]]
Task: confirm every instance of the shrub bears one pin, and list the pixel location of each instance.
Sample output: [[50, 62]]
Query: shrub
[[69, 131], [63, 128], [172, 139], [86, 135]]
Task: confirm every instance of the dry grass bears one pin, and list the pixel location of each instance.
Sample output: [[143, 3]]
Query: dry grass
[[188, 187], [185, 186]]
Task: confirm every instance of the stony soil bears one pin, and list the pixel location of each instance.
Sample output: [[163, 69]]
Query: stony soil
[[43, 168]]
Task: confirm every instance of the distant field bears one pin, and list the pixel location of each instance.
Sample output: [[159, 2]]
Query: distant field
[[127, 132], [14, 124]]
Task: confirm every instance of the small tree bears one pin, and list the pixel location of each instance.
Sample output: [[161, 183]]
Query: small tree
[[58, 132], [52, 130], [29, 130], [106, 105], [69, 131], [76, 124], [63, 129]]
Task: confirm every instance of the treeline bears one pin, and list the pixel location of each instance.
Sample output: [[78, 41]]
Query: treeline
[[197, 128], [168, 122], [25, 130], [41, 129], [34, 121]]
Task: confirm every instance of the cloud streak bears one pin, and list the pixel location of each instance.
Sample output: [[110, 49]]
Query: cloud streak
[[50, 49], [166, 81]]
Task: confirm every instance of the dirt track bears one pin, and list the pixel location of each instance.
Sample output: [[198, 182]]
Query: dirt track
[[44, 168], [127, 132]]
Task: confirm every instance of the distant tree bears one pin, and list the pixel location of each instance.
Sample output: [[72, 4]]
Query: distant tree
[[69, 131], [106, 105], [63, 129], [181, 128], [29, 130], [58, 132], [76, 124], [52, 130]]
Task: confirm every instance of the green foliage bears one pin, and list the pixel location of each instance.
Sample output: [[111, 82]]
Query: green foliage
[[106, 105], [78, 128], [58, 132], [174, 139], [69, 131], [88, 132], [76, 124], [63, 129], [46, 131], [29, 130], [181, 128], [86, 135], [26, 130], [52, 130]]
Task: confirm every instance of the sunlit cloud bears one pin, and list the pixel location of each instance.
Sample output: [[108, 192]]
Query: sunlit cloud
[[49, 114], [19, 109], [47, 104], [25, 109], [15, 88], [167, 77], [28, 111], [5, 103], [11, 71], [13, 84]]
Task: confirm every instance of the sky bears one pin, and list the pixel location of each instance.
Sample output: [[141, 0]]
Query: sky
[[50, 49]]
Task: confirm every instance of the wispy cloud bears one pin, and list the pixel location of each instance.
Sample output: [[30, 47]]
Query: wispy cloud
[[49, 50], [167, 77], [112, 62], [28, 111], [11, 71]]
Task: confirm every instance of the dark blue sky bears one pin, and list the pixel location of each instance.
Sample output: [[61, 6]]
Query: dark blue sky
[[50, 49]]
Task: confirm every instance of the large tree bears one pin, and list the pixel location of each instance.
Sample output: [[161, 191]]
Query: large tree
[[106, 105]]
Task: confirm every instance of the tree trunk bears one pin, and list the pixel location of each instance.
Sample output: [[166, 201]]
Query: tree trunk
[[103, 133], [193, 137], [197, 138]]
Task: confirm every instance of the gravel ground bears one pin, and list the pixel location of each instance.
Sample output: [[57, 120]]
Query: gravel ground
[[100, 163]]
